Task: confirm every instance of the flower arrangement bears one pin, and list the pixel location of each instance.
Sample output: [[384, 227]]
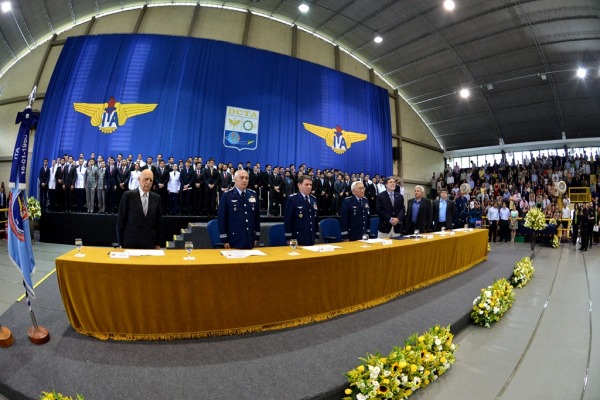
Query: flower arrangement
[[58, 396], [406, 369], [492, 303], [522, 273], [33, 208], [535, 219], [555, 242]]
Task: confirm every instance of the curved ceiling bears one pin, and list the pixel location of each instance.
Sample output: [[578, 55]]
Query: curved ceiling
[[517, 57]]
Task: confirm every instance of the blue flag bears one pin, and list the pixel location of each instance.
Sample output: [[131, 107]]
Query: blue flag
[[19, 239]]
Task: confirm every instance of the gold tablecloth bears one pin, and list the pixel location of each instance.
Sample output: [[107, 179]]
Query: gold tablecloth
[[157, 298]]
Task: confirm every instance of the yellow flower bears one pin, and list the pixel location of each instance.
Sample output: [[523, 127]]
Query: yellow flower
[[383, 360], [413, 368], [348, 391], [361, 368], [386, 381], [402, 364], [443, 359], [426, 372], [421, 338], [408, 393], [408, 348]]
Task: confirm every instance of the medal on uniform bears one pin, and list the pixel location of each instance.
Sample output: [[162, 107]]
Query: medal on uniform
[[300, 215]]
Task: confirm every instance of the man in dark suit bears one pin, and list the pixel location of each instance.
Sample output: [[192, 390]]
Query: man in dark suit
[[139, 222], [111, 186], [354, 221], [239, 214], [123, 173], [198, 190], [162, 180], [300, 214], [210, 187], [44, 178], [444, 212], [224, 180], [187, 182], [418, 212], [390, 208], [68, 179]]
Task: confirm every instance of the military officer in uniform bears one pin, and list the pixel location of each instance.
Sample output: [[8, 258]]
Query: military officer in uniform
[[239, 214], [300, 214], [354, 221]]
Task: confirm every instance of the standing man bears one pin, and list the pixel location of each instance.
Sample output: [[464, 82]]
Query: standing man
[[139, 222], [390, 208], [80, 185], [91, 184], [239, 214], [52, 187], [111, 185], [101, 191], [198, 189], [210, 187], [44, 178], [418, 213], [493, 216], [186, 179], [300, 214], [444, 211], [162, 181], [504, 225], [354, 222]]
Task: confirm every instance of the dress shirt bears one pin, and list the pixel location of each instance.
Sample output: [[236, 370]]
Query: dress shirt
[[493, 214], [415, 210], [442, 216], [504, 213]]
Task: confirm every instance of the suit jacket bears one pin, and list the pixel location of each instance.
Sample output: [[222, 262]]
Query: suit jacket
[[386, 210], [300, 219], [424, 216], [354, 218], [136, 230], [44, 176], [223, 181], [239, 219], [450, 213]]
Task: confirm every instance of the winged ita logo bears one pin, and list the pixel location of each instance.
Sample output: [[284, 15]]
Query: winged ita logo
[[108, 117], [336, 138]]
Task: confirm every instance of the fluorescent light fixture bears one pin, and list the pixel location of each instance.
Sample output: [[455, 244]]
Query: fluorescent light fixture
[[6, 7], [449, 5], [464, 93], [377, 38], [303, 8], [490, 86], [581, 73], [543, 77]]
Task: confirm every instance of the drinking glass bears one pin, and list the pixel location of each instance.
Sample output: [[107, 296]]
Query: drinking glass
[[443, 230], [189, 246], [365, 239], [79, 243], [416, 233], [293, 245]]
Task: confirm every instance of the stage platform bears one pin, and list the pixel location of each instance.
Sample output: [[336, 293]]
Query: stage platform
[[307, 362], [101, 229]]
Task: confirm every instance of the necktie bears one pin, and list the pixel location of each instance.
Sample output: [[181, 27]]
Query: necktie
[[145, 203], [243, 195], [307, 200], [392, 197]]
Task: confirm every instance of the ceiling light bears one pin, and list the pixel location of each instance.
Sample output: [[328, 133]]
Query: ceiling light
[[377, 39], [303, 8], [449, 5], [490, 86], [464, 93], [543, 77], [6, 7], [581, 72]]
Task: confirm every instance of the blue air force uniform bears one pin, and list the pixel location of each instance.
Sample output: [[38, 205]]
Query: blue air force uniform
[[300, 219], [354, 221], [239, 218]]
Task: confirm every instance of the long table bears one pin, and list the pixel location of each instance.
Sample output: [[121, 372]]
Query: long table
[[167, 297]]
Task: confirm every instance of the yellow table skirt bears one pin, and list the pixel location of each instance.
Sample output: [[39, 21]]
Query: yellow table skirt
[[161, 298]]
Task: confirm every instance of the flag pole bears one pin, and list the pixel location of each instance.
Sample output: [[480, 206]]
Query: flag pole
[[6, 337], [37, 333]]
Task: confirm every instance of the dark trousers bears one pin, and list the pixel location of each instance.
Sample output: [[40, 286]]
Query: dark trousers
[[504, 231], [493, 230]]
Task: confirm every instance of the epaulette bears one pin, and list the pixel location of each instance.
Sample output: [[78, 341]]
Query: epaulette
[[250, 190]]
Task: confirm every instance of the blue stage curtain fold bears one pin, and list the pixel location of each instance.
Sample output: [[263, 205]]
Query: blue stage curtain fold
[[192, 81]]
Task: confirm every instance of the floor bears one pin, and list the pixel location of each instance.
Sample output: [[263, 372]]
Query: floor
[[543, 347]]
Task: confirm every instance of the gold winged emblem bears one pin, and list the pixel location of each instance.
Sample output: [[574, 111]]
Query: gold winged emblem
[[110, 116], [338, 139]]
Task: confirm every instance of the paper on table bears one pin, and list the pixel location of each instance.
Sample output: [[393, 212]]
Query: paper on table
[[241, 253], [321, 248], [136, 253]]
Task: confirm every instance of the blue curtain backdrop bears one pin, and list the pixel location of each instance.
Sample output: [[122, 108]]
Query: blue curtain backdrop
[[192, 81]]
